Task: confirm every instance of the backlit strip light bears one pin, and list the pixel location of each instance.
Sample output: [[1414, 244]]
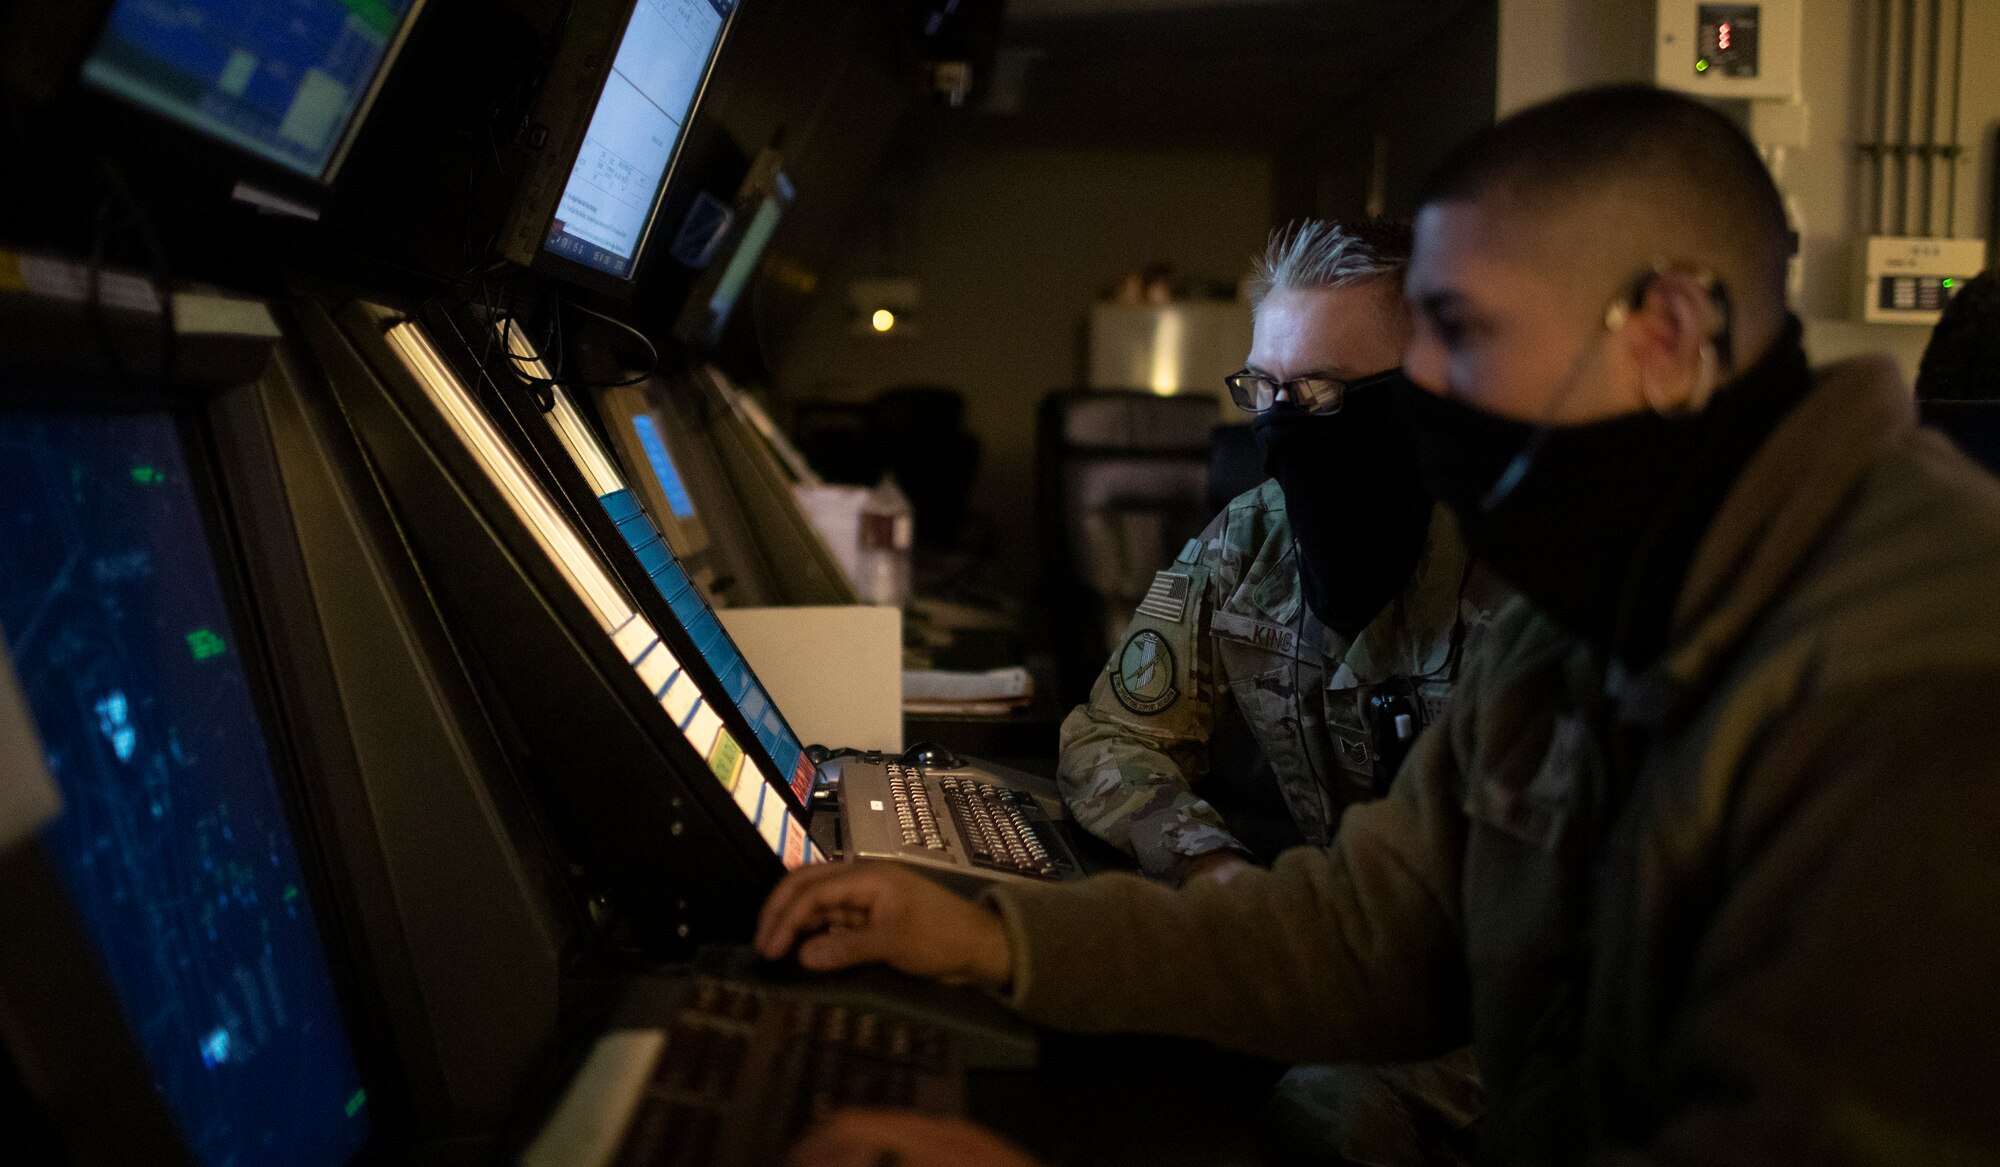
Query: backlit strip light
[[564, 419], [523, 494]]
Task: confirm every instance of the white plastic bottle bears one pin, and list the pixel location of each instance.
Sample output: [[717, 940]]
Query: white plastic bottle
[[888, 527]]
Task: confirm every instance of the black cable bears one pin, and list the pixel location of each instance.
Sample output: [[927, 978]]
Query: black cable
[[652, 352], [93, 300], [499, 305], [163, 277]]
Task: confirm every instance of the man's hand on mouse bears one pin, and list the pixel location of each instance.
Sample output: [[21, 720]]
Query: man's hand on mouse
[[872, 1138], [841, 914]]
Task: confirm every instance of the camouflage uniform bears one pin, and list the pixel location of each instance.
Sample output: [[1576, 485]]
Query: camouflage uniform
[[1227, 625]]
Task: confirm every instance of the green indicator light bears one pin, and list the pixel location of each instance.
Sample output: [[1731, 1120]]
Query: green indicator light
[[1701, 65], [147, 476], [373, 13], [1949, 282], [355, 1103], [291, 892], [205, 644]]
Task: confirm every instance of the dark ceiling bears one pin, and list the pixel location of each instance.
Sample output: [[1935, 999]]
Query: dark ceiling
[[1257, 74]]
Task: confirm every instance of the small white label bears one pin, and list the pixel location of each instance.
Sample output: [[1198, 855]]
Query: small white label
[[874, 804]]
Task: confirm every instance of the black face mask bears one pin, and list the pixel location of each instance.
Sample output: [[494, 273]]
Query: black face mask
[[1355, 499], [1602, 520]]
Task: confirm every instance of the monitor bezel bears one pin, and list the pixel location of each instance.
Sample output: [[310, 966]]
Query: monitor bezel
[[541, 194]]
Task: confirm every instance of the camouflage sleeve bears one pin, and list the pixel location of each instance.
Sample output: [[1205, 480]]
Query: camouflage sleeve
[[1131, 756]]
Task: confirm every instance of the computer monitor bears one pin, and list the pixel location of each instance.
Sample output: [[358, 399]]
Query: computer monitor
[[288, 81], [173, 843], [749, 252], [588, 209], [766, 194], [665, 472]]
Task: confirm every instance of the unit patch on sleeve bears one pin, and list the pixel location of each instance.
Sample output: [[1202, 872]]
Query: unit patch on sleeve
[[1144, 679], [1167, 598]]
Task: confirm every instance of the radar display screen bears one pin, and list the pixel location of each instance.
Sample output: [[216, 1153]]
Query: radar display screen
[[285, 80], [173, 842]]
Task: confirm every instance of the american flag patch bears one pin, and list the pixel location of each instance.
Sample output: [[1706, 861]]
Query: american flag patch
[[1167, 598]]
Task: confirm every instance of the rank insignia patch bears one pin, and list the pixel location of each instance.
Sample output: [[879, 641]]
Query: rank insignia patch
[[1167, 598], [1144, 678]]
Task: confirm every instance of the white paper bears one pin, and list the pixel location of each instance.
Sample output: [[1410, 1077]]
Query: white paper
[[941, 685], [835, 672]]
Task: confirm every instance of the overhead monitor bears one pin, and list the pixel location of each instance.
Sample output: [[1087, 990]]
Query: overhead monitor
[[742, 265], [288, 81], [621, 147], [174, 844]]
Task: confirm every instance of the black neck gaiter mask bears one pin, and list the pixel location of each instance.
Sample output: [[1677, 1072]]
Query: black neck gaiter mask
[[1355, 499], [1604, 522]]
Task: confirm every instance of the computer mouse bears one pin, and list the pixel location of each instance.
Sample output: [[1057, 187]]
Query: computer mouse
[[931, 756]]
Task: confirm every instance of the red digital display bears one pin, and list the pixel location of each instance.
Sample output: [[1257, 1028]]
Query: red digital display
[[802, 778]]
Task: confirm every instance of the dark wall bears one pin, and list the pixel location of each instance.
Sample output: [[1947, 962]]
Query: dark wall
[[1011, 245], [1103, 154], [1407, 115], [826, 82]]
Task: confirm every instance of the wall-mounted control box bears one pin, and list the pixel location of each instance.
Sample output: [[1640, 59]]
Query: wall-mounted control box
[[1729, 50], [1909, 281]]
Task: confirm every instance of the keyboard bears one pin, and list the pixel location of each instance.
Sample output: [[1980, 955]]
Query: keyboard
[[1001, 828], [738, 1071], [915, 820], [969, 825]]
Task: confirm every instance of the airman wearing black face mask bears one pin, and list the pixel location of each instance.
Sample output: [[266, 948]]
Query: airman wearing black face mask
[[1324, 607], [1701, 859]]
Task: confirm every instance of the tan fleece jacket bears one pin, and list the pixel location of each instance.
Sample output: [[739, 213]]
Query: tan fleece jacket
[[1771, 933]]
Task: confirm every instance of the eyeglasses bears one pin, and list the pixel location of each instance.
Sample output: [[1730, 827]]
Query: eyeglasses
[[1255, 393]]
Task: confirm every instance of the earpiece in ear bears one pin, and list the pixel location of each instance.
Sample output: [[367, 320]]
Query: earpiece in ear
[[1632, 300], [1705, 380]]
